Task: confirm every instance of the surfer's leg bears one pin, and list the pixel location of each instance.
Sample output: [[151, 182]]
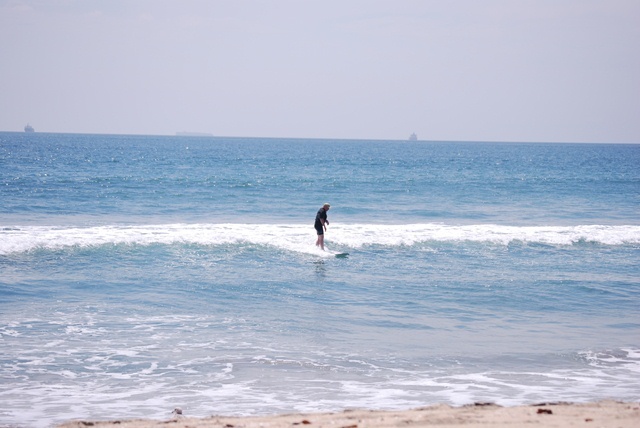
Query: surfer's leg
[[320, 240]]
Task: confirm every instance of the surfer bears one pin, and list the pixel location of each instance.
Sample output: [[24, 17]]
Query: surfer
[[321, 224]]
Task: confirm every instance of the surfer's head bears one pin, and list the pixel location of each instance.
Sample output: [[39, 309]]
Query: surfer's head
[[326, 206]]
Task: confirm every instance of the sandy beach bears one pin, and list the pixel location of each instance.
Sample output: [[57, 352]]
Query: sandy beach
[[599, 414]]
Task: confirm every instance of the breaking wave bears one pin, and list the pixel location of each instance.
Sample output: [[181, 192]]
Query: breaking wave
[[300, 237]]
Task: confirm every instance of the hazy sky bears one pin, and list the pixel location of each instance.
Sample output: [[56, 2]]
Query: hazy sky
[[505, 70]]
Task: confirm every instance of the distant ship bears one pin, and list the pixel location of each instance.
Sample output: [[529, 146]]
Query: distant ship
[[28, 128], [413, 137]]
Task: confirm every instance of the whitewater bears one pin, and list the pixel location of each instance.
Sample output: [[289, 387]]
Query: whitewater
[[295, 237]]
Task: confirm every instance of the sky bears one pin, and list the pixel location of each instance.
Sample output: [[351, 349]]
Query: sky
[[490, 70]]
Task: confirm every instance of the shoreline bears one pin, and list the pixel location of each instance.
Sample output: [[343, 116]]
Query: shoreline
[[604, 413]]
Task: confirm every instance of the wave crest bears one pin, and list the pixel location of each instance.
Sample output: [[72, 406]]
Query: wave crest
[[300, 238]]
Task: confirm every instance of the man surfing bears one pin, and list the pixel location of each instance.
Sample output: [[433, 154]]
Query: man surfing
[[321, 224]]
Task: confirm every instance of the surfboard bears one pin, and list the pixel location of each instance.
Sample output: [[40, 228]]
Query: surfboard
[[342, 255]]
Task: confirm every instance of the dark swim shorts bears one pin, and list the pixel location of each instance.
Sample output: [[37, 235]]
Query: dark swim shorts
[[319, 229]]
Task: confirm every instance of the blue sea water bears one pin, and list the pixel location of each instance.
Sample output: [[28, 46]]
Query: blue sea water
[[143, 273]]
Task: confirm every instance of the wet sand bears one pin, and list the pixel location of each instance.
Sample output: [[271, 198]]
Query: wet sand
[[598, 414]]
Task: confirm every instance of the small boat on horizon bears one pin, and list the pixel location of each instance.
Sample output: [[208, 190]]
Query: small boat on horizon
[[413, 137], [29, 128]]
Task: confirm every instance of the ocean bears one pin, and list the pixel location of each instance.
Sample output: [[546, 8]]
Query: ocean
[[143, 273]]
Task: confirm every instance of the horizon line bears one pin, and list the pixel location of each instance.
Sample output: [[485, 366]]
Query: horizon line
[[203, 135]]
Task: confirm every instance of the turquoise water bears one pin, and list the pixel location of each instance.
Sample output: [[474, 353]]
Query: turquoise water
[[141, 273]]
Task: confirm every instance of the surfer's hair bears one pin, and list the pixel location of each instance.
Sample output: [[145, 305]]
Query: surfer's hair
[[327, 204]]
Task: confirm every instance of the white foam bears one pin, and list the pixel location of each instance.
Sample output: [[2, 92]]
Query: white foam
[[627, 357], [301, 238], [137, 375]]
